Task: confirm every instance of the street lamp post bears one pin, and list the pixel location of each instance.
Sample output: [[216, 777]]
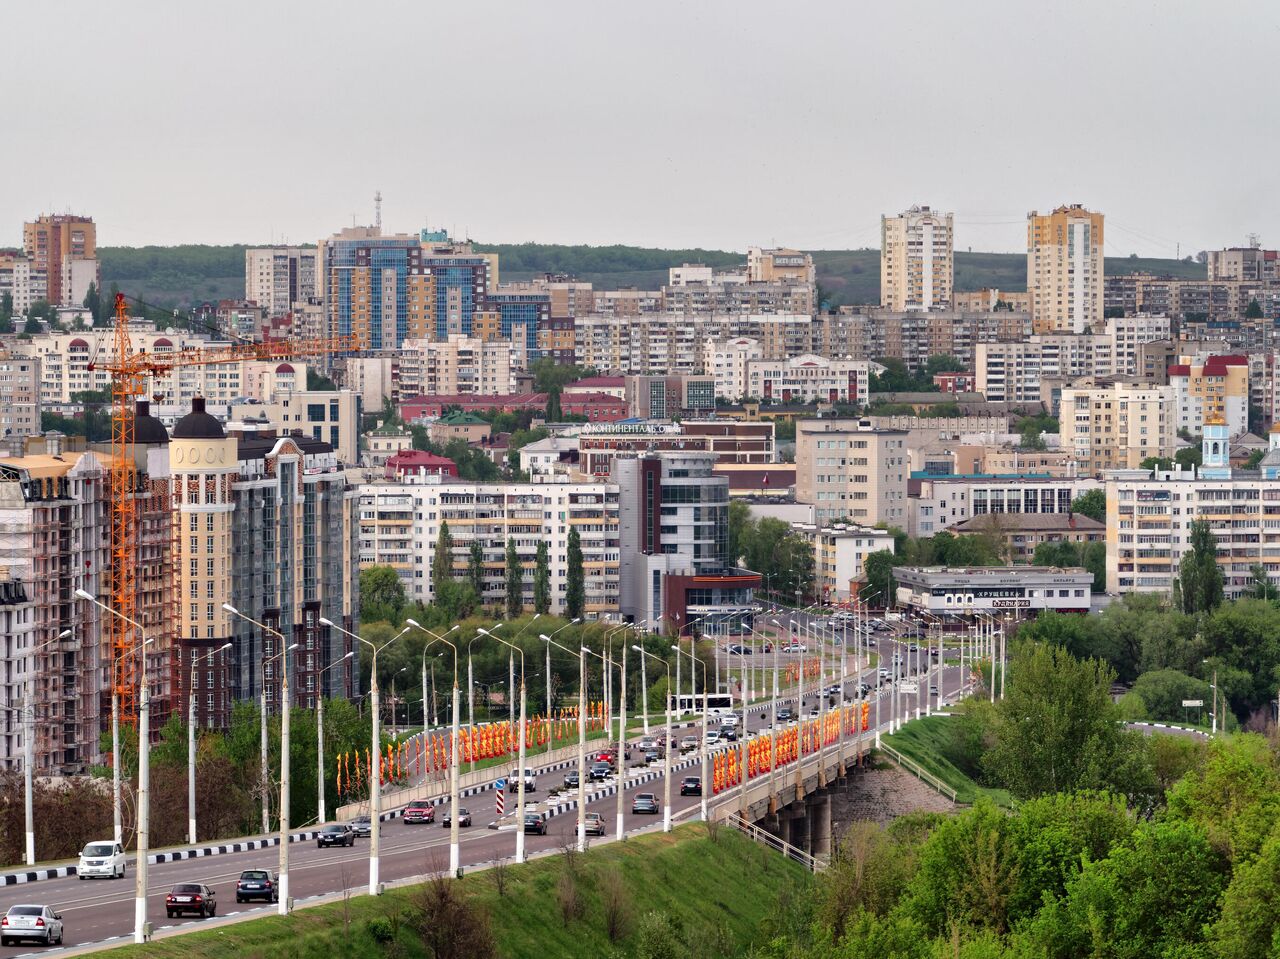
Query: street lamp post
[[666, 750], [520, 748], [320, 811], [29, 748], [191, 741], [140, 930], [705, 754], [375, 778], [622, 743], [582, 737], [455, 852]]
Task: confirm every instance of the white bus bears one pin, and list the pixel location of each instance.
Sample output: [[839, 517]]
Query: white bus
[[717, 704]]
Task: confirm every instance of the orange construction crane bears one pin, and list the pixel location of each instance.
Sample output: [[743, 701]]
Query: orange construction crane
[[130, 372]]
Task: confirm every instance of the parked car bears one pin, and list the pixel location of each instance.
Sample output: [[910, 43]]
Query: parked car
[[418, 813], [40, 923], [688, 744], [339, 834], [257, 884], [536, 823], [102, 858], [593, 823], [571, 779], [191, 897], [464, 817], [645, 803], [362, 826], [691, 786], [737, 649], [599, 771]]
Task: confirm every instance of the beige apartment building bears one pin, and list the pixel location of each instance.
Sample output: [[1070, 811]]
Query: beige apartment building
[[1117, 424], [458, 365], [19, 395], [989, 299], [1065, 270], [65, 247], [846, 468], [277, 277], [916, 263], [779, 266]]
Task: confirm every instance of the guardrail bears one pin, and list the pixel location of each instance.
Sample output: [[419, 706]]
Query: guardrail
[[770, 841], [913, 767]]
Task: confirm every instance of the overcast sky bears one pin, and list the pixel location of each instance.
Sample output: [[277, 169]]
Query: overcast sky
[[654, 123]]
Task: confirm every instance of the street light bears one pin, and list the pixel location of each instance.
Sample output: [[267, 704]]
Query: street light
[[551, 740], [375, 778], [582, 737], [622, 724], [705, 754], [666, 746], [320, 816], [471, 712], [29, 749], [144, 773], [455, 853], [191, 741], [520, 748]]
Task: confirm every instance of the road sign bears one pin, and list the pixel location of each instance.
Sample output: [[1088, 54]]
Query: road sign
[[1188, 703], [500, 796], [909, 687]]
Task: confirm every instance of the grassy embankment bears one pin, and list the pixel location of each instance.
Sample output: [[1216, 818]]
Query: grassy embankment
[[926, 740], [721, 892]]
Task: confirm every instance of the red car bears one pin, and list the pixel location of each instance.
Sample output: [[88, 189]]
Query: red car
[[415, 814]]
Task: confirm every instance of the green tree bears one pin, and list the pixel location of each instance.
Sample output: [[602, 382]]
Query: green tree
[[575, 593], [1260, 585], [318, 381], [1092, 503], [93, 303], [542, 579], [442, 561], [740, 526], [1163, 690], [943, 363], [1255, 459], [1032, 438], [1199, 576], [1188, 457], [475, 567], [1060, 553], [877, 570], [382, 595], [1250, 918], [1254, 310], [32, 326], [1093, 557], [1162, 463], [515, 580]]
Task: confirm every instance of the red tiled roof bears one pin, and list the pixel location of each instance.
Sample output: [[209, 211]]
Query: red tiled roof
[[614, 381]]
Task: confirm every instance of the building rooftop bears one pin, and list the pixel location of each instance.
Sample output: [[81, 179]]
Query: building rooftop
[[198, 425], [1031, 521], [461, 418]]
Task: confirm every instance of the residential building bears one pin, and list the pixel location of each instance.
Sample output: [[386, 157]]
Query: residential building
[[665, 397], [1005, 591], [1244, 263], [420, 408], [779, 266], [1065, 270], [1015, 372], [989, 299], [63, 246], [277, 277], [1116, 424], [673, 535], [382, 444], [17, 622], [459, 425], [849, 470], [594, 407], [838, 555], [400, 524], [419, 463], [730, 441], [956, 382], [1021, 533], [726, 361], [329, 416], [459, 365], [615, 386], [21, 280], [916, 264], [379, 376], [1216, 387], [1128, 334], [808, 379], [19, 395], [549, 456], [936, 503]]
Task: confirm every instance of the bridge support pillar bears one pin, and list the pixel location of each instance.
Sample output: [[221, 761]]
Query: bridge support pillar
[[797, 825], [819, 819]]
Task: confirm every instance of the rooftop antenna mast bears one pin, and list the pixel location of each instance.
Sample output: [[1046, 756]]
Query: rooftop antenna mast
[[377, 210]]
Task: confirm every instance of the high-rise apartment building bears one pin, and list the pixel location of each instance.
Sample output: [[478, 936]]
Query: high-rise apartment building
[[779, 266], [64, 247], [457, 365], [916, 264], [1065, 270], [277, 277], [849, 470], [1211, 388], [19, 395]]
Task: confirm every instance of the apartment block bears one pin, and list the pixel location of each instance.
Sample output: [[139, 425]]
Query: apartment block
[[838, 554], [937, 503], [277, 277], [64, 248], [1014, 372], [1117, 424], [458, 365], [1128, 334], [325, 415], [1244, 263], [916, 264], [990, 299], [809, 379], [848, 470], [779, 266], [600, 444], [1065, 270], [19, 395], [400, 524], [19, 279], [1216, 388]]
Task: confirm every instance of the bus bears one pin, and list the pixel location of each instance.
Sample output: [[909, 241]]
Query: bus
[[717, 704]]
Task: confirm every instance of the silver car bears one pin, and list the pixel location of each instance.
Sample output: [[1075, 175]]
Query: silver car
[[38, 923]]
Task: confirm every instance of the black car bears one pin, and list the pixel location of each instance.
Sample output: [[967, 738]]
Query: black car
[[737, 649], [728, 735], [335, 835], [691, 786], [464, 817], [191, 897], [535, 822], [571, 780], [645, 803], [651, 756], [785, 715], [362, 826], [599, 771], [257, 884]]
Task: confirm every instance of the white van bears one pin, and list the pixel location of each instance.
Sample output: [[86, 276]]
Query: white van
[[102, 858]]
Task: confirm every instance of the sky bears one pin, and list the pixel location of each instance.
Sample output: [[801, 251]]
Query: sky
[[671, 124]]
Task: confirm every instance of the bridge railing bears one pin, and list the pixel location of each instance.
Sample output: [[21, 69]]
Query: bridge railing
[[769, 840], [913, 767]]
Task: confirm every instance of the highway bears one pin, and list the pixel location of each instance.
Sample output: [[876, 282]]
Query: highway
[[98, 910]]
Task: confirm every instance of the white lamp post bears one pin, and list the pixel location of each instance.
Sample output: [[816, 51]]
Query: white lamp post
[[582, 738], [666, 750], [520, 857], [191, 741], [455, 852], [320, 810]]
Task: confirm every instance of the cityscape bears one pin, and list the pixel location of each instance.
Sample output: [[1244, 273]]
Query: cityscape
[[706, 602]]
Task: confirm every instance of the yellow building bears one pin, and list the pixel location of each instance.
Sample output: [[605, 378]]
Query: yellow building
[[916, 265], [1065, 270], [1117, 425]]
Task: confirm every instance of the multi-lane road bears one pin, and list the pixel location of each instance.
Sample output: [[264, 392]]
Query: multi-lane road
[[98, 910]]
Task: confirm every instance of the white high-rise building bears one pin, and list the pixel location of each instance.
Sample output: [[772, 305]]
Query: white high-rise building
[[276, 277], [916, 262]]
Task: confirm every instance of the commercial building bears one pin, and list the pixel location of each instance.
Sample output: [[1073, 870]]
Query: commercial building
[[277, 277], [400, 524], [1065, 270], [916, 265], [1117, 424], [63, 247], [1012, 591], [673, 534], [936, 503], [665, 397], [849, 470], [1021, 533], [730, 441], [1216, 388]]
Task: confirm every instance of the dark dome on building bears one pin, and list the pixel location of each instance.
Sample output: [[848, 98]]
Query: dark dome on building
[[147, 430], [198, 425]]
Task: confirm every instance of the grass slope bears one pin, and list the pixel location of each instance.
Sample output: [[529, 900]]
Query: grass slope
[[722, 893], [926, 740], [183, 275]]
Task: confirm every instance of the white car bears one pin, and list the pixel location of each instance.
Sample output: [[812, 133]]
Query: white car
[[38, 923], [729, 719], [795, 648], [713, 737], [101, 858]]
